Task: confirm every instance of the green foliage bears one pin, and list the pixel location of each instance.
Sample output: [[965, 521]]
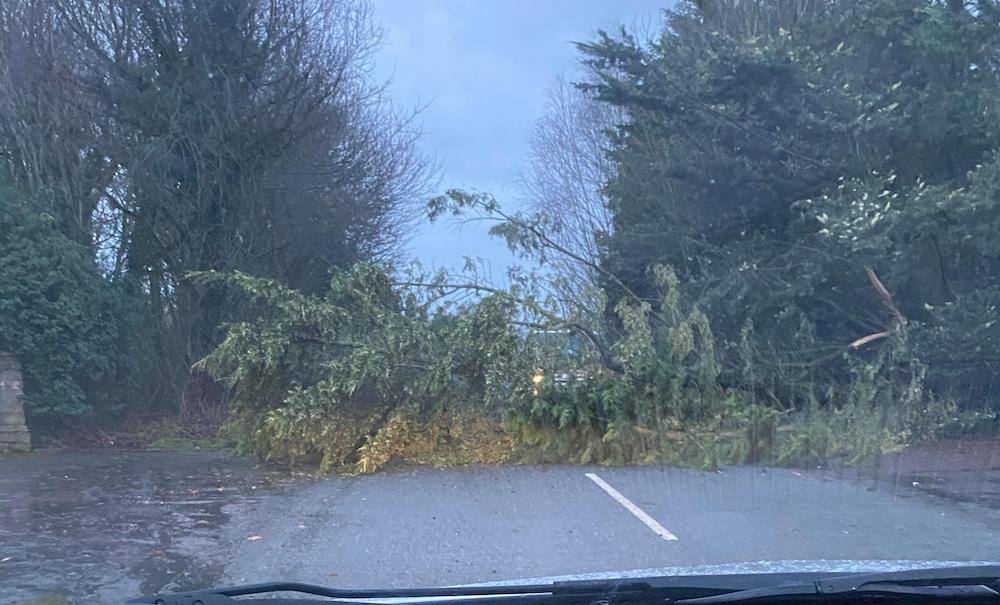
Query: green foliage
[[668, 404], [667, 358], [57, 315], [778, 155], [731, 123], [315, 377], [667, 379]]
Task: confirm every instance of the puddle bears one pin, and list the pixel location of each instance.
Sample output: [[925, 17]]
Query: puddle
[[104, 526]]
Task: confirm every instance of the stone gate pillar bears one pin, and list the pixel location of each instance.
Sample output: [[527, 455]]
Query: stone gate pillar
[[14, 434]]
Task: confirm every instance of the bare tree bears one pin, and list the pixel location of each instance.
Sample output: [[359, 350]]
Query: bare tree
[[175, 136], [567, 168], [356, 185], [49, 124], [187, 132]]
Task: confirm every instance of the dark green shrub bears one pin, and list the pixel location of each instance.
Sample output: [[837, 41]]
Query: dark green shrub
[[57, 315]]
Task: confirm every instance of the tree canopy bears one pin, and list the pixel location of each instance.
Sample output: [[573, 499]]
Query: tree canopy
[[171, 137], [775, 152]]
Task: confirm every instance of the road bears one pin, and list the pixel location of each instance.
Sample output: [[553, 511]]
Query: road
[[429, 526], [104, 525]]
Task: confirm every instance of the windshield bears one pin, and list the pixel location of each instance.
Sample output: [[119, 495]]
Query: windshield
[[380, 294]]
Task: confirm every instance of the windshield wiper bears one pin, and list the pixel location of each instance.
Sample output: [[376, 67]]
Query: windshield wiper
[[954, 584], [556, 593], [966, 584]]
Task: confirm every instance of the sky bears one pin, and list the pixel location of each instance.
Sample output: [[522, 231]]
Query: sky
[[479, 69]]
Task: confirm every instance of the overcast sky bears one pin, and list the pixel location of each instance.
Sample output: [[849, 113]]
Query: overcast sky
[[481, 67]]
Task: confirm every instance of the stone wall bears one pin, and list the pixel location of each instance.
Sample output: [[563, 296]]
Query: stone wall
[[14, 434]]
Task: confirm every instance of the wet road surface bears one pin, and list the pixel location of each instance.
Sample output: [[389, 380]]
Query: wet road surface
[[102, 526]]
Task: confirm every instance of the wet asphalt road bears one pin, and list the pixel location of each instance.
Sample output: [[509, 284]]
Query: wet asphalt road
[[101, 526]]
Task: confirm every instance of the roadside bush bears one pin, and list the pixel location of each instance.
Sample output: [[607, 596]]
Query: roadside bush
[[58, 316]]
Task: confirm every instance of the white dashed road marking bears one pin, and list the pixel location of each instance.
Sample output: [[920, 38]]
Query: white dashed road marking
[[640, 514]]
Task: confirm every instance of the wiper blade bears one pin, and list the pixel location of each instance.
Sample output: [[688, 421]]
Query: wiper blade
[[978, 584], [966, 584], [556, 593], [951, 593]]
